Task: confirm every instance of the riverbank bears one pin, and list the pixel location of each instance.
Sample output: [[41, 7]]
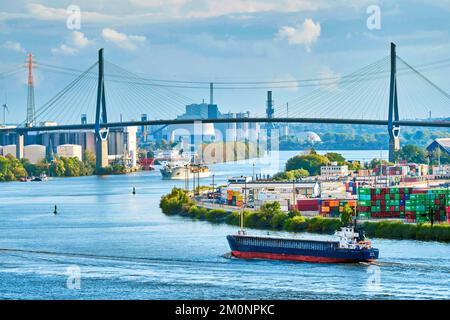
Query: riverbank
[[12, 169], [270, 217]]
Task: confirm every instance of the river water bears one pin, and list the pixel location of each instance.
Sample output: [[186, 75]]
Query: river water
[[114, 245]]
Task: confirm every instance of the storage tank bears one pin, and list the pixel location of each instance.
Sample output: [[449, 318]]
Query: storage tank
[[69, 150], [34, 153], [9, 149]]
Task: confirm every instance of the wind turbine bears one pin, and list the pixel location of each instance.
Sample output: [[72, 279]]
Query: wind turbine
[[5, 109]]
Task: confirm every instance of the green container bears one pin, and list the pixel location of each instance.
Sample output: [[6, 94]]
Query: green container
[[364, 191]]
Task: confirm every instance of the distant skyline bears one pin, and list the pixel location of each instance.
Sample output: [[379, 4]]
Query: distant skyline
[[217, 40]]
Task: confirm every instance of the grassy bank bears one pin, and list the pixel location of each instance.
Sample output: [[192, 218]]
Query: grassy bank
[[270, 217]]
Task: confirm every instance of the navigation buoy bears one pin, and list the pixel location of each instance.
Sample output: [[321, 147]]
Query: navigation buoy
[[56, 210], [134, 190]]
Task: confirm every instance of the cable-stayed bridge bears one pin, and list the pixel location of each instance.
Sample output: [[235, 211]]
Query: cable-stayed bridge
[[389, 92]]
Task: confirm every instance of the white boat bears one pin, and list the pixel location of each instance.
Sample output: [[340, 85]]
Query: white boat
[[181, 171]]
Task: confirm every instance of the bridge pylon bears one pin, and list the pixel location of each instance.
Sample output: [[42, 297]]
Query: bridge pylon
[[393, 129], [101, 135]]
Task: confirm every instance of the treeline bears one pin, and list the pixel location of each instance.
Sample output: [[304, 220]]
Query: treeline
[[12, 169], [309, 164], [270, 217], [340, 137], [304, 165]]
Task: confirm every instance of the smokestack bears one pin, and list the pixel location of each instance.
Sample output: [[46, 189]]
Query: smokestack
[[269, 111], [83, 119], [211, 89]]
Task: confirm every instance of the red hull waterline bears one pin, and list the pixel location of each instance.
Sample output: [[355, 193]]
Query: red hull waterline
[[290, 257]]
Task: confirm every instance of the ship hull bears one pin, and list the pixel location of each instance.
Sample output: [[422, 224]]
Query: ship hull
[[246, 247]]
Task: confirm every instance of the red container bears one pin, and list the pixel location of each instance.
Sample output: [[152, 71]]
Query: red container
[[308, 204]]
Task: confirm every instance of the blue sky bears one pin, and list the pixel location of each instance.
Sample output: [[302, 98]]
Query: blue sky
[[218, 40]]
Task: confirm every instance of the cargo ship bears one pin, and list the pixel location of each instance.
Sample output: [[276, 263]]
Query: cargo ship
[[352, 247], [181, 171]]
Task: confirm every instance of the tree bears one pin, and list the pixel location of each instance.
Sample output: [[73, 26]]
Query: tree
[[346, 215], [355, 165], [310, 163], [291, 175], [377, 162], [411, 153], [72, 166], [89, 158], [335, 157], [57, 168]]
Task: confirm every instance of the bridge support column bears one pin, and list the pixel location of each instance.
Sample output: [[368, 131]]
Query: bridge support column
[[19, 145], [269, 113], [101, 135], [101, 152], [393, 129]]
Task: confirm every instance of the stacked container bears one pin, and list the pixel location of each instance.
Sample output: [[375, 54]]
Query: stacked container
[[351, 187], [307, 204], [414, 205], [333, 208], [234, 198]]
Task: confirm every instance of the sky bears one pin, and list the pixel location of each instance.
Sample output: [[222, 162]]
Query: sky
[[216, 40]]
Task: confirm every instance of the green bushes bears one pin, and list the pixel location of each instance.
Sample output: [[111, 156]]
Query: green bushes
[[400, 230], [216, 215], [176, 202], [271, 217], [296, 224]]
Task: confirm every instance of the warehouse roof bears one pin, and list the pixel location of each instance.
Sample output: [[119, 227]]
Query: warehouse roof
[[442, 143]]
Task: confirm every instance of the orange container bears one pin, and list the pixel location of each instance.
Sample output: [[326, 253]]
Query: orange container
[[325, 209], [351, 203], [334, 203]]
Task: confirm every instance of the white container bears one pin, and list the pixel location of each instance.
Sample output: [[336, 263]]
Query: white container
[[69, 151], [34, 153], [9, 149]]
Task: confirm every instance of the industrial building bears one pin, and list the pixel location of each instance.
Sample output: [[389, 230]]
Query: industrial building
[[441, 144], [122, 145], [259, 192], [334, 170]]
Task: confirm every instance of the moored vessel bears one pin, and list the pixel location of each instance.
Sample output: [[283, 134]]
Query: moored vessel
[[181, 171]]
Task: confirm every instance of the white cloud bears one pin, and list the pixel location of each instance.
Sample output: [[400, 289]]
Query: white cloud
[[42, 12], [159, 3], [65, 50], [13, 45], [306, 33], [76, 42], [122, 40], [79, 39]]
